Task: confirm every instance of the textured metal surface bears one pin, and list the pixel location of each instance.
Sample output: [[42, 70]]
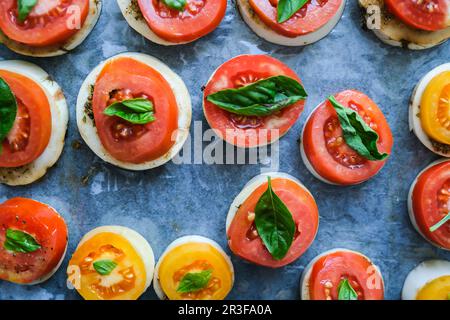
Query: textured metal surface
[[171, 201]]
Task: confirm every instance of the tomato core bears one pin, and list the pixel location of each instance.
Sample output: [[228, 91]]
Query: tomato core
[[19, 135], [335, 140], [110, 252], [443, 111], [213, 285], [121, 129], [193, 7], [443, 198]]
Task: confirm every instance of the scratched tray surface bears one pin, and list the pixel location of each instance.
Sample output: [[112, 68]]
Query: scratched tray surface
[[175, 200]]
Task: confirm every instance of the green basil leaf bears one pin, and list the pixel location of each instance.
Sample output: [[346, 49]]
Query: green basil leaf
[[346, 291], [440, 223], [175, 4], [24, 7], [104, 267], [357, 134], [274, 223], [261, 98], [287, 8], [448, 296], [8, 110], [194, 281], [136, 111], [19, 241]]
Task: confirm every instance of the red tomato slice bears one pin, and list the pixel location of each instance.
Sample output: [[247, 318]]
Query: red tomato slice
[[51, 22], [249, 131], [430, 200], [199, 18], [429, 15], [326, 149], [311, 17], [331, 269], [31, 131], [127, 78], [304, 211], [45, 225]]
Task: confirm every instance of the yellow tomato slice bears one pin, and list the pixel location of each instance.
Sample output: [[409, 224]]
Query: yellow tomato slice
[[438, 289], [435, 108], [126, 281], [195, 257]]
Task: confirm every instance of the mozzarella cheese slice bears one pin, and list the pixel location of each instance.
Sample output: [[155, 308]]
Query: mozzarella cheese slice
[[415, 124], [88, 130], [133, 15], [424, 273], [60, 116], [265, 32], [306, 275], [251, 186], [181, 241], [412, 217], [395, 33], [95, 7], [137, 241]]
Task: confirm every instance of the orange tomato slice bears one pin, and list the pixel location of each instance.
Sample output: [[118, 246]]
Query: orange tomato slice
[[127, 281], [195, 257], [435, 108]]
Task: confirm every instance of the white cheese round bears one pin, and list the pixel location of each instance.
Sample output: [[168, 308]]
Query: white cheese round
[[136, 20], [181, 241], [395, 33], [88, 130], [424, 273], [415, 124], [138, 242], [60, 116], [306, 275], [265, 32], [95, 7]]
